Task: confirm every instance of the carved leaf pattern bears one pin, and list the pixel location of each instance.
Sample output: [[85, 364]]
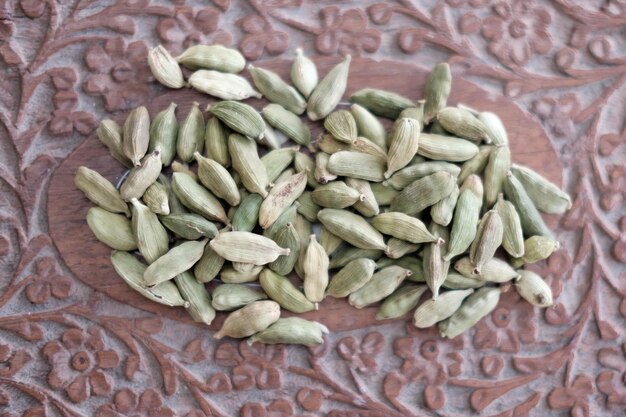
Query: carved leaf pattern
[[66, 65]]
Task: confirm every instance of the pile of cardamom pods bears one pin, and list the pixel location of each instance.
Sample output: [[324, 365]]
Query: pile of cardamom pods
[[396, 208]]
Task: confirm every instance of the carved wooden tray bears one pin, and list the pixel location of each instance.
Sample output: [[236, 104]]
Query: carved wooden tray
[[74, 340]]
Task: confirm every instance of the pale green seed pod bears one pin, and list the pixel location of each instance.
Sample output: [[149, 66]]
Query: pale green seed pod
[[156, 197], [536, 248], [214, 57], [281, 290], [329, 91], [184, 168], [397, 248], [466, 215], [276, 90], [416, 113], [246, 161], [348, 254], [459, 282], [488, 239], [446, 148], [136, 135], [410, 262], [176, 261], [286, 237], [189, 226], [217, 179], [357, 165], [495, 172], [382, 284], [307, 207], [197, 198], [280, 197], [381, 103], [415, 171], [270, 140], [209, 265], [403, 300], [286, 217], [329, 241], [403, 144], [288, 123], [251, 319], [512, 235], [341, 125], [228, 297], [231, 276], [165, 68], [247, 214], [114, 230], [224, 86], [304, 74], [423, 193], [494, 270], [216, 141], [442, 211], [366, 205], [303, 163], [351, 277], [546, 196], [463, 123], [352, 228], [369, 126], [435, 271], [141, 177], [315, 268], [246, 247], [151, 237], [532, 223], [475, 307], [402, 226], [164, 133], [100, 191], [384, 194], [496, 133], [240, 117], [291, 330], [433, 311], [475, 165], [110, 134], [437, 90], [200, 308], [336, 195], [322, 175], [191, 134], [534, 289], [277, 160]]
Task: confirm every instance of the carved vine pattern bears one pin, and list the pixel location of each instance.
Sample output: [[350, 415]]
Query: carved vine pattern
[[559, 60]]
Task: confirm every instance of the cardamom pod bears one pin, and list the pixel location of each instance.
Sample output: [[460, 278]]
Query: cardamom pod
[[462, 123], [384, 194], [287, 216], [434, 270], [369, 126], [285, 175], [247, 214], [281, 290], [163, 133], [488, 239], [240, 117], [335, 195], [200, 308], [382, 103], [512, 235], [536, 248], [532, 223], [446, 148], [114, 230], [217, 179], [494, 270], [351, 277], [184, 169], [341, 125], [475, 307], [466, 215], [157, 199], [247, 247], [176, 261], [228, 297], [402, 226], [131, 270], [222, 85], [546, 196], [423, 193], [136, 135], [415, 171], [191, 134], [197, 198], [303, 163], [291, 330], [534, 289], [476, 164], [329, 91], [397, 248], [403, 300], [176, 207], [496, 133], [286, 237], [287, 123], [277, 160], [307, 207], [231, 276], [251, 319], [189, 226], [348, 254], [151, 237], [357, 165], [382, 284], [495, 172], [403, 144], [110, 134], [437, 90], [276, 90], [329, 241], [433, 311], [209, 265], [304, 229], [280, 197], [460, 282], [352, 228], [321, 171], [165, 68], [416, 113], [100, 191], [412, 263], [216, 141], [442, 211], [215, 57], [246, 162], [366, 205], [304, 74], [315, 268]]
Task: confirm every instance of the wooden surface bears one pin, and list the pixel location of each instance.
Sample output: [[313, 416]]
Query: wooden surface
[[74, 340]]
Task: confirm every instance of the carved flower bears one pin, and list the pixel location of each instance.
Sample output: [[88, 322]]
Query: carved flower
[[361, 356], [65, 119], [507, 326], [12, 360], [119, 73], [7, 27], [557, 113], [260, 37], [277, 408], [427, 359], [346, 32], [127, 403], [189, 27], [517, 30], [48, 282], [574, 397], [252, 366], [613, 383], [79, 360]]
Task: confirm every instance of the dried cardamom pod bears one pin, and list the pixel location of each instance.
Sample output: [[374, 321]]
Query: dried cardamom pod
[[402, 226], [184, 169], [216, 141], [341, 125], [278, 160], [240, 117], [462, 123], [303, 163], [384, 194], [423, 193], [357, 165], [165, 68], [291, 330], [246, 162], [475, 165], [437, 90], [251, 319], [488, 239], [280, 197], [460, 282], [286, 237], [231, 276], [304, 229], [403, 300], [114, 230], [228, 297], [200, 308], [381, 103], [397, 248], [151, 237], [327, 143], [475, 307], [281, 290], [369, 126], [442, 211], [247, 214], [352, 228], [348, 254], [534, 289], [354, 275], [217, 179], [307, 207], [494, 270], [496, 133], [315, 268], [382, 284], [287, 216], [222, 85], [304, 74], [189, 226], [191, 134], [136, 135], [412, 172], [329, 91], [412, 263], [131, 270], [197, 198], [322, 175], [433, 311], [434, 270], [495, 172], [403, 144], [247, 247], [416, 113], [532, 223], [164, 132], [446, 148], [276, 90], [176, 261], [335, 195], [466, 215], [287, 123], [285, 175], [157, 199], [366, 205], [141, 177], [329, 241], [536, 248], [215, 57], [512, 236], [546, 196], [209, 265], [110, 134], [100, 191]]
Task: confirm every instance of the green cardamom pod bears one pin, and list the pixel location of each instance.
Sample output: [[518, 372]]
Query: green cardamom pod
[[460, 282], [329, 241], [348, 254], [228, 297], [381, 103], [276, 90], [280, 197], [475, 165], [215, 57], [136, 135], [189, 226], [366, 205], [437, 90], [217, 179], [322, 175], [191, 134], [335, 195], [286, 237], [446, 148], [495, 172], [216, 141], [488, 239], [304, 74], [157, 199], [534, 289], [200, 308], [496, 133], [176, 261], [512, 235], [307, 207], [415, 171], [224, 86], [354, 275], [402, 226], [410, 262], [240, 117], [151, 237], [277, 160], [163, 134], [281, 290], [433, 311], [536, 248], [231, 276], [357, 165], [303, 163], [382, 284], [397, 248], [287, 123], [532, 223], [466, 216], [341, 125], [291, 330], [209, 265], [475, 307], [165, 68], [423, 193], [352, 228], [315, 268], [546, 196], [384, 194], [287, 216], [329, 91], [197, 198], [462, 123], [494, 270], [247, 214], [442, 211], [246, 247], [251, 319], [403, 144], [369, 126], [246, 161], [100, 191], [114, 230], [110, 134], [400, 302]]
